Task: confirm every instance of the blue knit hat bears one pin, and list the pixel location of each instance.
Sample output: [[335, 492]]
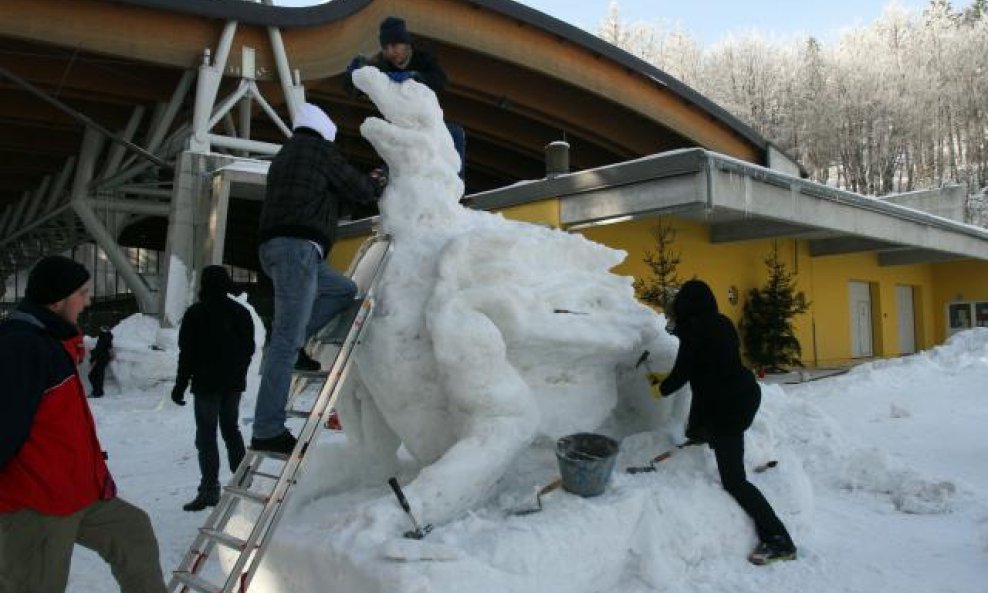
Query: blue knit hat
[[393, 31]]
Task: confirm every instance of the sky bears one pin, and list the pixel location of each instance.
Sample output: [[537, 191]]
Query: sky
[[710, 21], [879, 472]]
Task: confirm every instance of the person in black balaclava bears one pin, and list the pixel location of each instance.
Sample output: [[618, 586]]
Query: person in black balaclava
[[216, 343], [725, 400]]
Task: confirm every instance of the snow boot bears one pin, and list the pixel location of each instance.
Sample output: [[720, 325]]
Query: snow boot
[[201, 501], [283, 443], [304, 362], [767, 552]]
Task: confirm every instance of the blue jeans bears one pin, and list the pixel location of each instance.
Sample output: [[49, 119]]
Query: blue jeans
[[307, 295]]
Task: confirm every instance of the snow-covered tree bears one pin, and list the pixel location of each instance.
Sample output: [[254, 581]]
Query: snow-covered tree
[[894, 105]]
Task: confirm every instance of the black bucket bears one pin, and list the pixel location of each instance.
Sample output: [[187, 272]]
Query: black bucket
[[586, 461]]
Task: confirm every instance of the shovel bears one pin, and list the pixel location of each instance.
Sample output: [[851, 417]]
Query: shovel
[[538, 498]]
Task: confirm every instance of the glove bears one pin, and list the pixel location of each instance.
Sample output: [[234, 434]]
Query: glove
[[356, 63], [379, 177], [400, 75], [178, 394], [655, 384]]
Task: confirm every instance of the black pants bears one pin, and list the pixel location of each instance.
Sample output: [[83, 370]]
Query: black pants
[[96, 375], [729, 451], [212, 409]]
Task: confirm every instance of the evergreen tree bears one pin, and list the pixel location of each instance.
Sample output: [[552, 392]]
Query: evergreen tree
[[662, 287], [766, 324]]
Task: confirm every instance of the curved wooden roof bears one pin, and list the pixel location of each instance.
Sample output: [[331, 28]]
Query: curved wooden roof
[[519, 79]]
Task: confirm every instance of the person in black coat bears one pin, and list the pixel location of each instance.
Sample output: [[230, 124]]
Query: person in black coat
[[99, 358], [216, 343], [401, 61], [725, 400]]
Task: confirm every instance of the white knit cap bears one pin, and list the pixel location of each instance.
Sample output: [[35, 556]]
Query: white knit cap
[[314, 118]]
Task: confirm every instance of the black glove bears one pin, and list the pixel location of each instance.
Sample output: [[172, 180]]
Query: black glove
[[178, 394], [379, 177], [356, 63]]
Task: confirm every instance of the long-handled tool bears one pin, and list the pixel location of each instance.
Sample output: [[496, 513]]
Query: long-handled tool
[[638, 469], [417, 532], [538, 498]]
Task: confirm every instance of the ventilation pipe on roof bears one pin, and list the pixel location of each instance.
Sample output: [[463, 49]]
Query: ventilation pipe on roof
[[556, 158]]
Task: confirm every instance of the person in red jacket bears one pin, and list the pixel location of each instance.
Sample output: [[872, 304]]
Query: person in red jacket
[[55, 488]]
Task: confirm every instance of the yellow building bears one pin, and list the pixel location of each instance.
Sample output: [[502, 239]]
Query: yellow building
[[880, 278]]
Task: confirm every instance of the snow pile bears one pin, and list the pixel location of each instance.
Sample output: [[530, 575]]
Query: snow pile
[[839, 450], [145, 355]]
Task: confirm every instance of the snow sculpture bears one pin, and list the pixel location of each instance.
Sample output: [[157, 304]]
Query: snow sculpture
[[487, 332]]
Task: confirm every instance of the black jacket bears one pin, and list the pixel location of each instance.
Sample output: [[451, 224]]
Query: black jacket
[[101, 351], [423, 67], [307, 179], [725, 393], [216, 343]]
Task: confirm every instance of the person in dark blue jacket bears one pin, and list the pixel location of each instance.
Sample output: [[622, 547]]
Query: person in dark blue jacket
[[401, 61], [216, 343], [725, 400]]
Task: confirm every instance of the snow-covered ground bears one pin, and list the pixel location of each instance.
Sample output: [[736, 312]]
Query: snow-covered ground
[[881, 479]]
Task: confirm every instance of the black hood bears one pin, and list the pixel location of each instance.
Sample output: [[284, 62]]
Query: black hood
[[694, 299], [215, 283]]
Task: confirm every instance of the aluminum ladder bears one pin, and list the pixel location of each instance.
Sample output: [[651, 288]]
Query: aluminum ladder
[[251, 483]]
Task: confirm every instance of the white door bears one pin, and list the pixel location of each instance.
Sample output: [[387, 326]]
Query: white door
[[907, 319], [860, 319]]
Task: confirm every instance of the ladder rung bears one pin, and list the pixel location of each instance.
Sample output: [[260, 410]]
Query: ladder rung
[[224, 538], [199, 584], [247, 494], [298, 413], [270, 454], [265, 474], [311, 374]]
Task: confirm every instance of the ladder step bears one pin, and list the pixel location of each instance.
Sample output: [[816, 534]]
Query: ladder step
[[247, 494], [265, 474], [311, 374], [269, 454], [298, 413], [199, 584], [224, 538]]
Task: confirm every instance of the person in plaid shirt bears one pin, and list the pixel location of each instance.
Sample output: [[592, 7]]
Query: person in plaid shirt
[[307, 180]]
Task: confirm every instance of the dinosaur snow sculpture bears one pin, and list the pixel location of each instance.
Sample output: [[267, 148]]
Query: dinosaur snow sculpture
[[487, 332]]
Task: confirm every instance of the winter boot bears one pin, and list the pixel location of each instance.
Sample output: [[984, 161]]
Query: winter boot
[[767, 552], [201, 501], [305, 363], [284, 443]]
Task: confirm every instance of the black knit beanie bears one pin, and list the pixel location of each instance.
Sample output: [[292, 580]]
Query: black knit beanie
[[54, 278], [393, 31]]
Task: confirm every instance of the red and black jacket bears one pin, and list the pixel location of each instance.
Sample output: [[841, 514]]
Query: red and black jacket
[[50, 458]]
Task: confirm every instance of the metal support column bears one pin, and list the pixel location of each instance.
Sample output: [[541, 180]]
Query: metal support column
[[91, 144]]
